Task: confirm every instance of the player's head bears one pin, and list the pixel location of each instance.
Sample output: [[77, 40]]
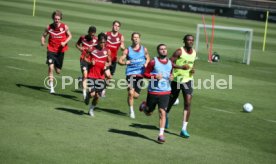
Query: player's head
[[188, 40], [135, 38], [101, 40], [162, 51], [57, 16], [116, 26], [92, 30]]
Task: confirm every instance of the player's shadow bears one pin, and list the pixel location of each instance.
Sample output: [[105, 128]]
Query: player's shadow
[[74, 111], [112, 111], [39, 88], [43, 89], [150, 127], [77, 91], [131, 133]]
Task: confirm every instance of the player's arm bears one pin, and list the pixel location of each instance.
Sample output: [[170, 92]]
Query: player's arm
[[147, 56], [122, 43], [109, 60], [174, 57], [79, 45], [43, 37], [149, 69], [69, 36], [122, 59]]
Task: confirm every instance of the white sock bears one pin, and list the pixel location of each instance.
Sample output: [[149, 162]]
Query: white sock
[[92, 107], [161, 131], [51, 85], [185, 124], [131, 109], [84, 93]]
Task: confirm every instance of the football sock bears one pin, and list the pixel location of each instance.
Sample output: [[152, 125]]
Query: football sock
[[184, 127], [84, 93], [161, 131], [131, 109]]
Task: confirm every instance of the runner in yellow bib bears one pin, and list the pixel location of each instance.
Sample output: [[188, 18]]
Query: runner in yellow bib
[[183, 69]]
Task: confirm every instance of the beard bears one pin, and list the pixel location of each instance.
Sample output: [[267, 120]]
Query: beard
[[162, 56]]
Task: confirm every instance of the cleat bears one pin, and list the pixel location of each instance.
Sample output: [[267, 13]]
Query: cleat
[[91, 112], [184, 133], [132, 115], [52, 91], [167, 122], [142, 106], [161, 139]]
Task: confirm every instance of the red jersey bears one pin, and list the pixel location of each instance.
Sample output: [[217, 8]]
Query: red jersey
[[56, 36], [113, 44], [100, 57], [84, 42]]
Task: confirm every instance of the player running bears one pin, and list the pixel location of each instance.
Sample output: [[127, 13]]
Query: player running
[[59, 36], [136, 58], [84, 44], [99, 59], [159, 72]]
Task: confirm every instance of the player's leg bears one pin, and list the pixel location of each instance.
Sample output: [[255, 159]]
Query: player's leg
[[163, 101], [187, 95], [130, 97], [59, 62], [84, 70], [149, 105], [50, 61], [175, 89], [108, 77]]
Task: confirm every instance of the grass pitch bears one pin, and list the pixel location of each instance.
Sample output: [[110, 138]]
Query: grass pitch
[[37, 127]]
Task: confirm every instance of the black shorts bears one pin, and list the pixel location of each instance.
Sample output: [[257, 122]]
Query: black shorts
[[85, 66], [135, 82], [112, 67], [96, 85], [55, 58], [186, 88], [161, 100]]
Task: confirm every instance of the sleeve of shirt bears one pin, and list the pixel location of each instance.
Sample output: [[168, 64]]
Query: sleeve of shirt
[[79, 41], [149, 69]]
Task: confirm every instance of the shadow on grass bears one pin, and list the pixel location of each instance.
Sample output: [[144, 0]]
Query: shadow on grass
[[43, 89], [132, 134], [150, 127], [112, 111], [77, 91], [74, 111]]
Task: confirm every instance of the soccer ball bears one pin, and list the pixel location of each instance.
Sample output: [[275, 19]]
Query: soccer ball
[[247, 107], [215, 57], [176, 102]]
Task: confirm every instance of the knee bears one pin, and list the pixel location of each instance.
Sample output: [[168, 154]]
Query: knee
[[187, 106]]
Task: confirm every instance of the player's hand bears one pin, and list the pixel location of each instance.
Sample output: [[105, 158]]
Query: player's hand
[[159, 76], [42, 43], [171, 77], [63, 44], [185, 67], [127, 62], [93, 62], [192, 71]]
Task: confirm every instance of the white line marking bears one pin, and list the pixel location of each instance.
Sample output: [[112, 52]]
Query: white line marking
[[25, 54], [218, 110], [270, 120], [11, 67]]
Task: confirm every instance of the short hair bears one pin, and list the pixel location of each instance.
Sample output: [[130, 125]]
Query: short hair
[[102, 36], [159, 45], [116, 21], [135, 33], [92, 29], [57, 13], [186, 37]]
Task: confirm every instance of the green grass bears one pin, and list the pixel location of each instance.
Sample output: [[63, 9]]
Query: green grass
[[37, 127]]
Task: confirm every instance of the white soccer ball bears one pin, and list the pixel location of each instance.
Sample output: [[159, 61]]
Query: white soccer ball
[[176, 102], [247, 107]]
